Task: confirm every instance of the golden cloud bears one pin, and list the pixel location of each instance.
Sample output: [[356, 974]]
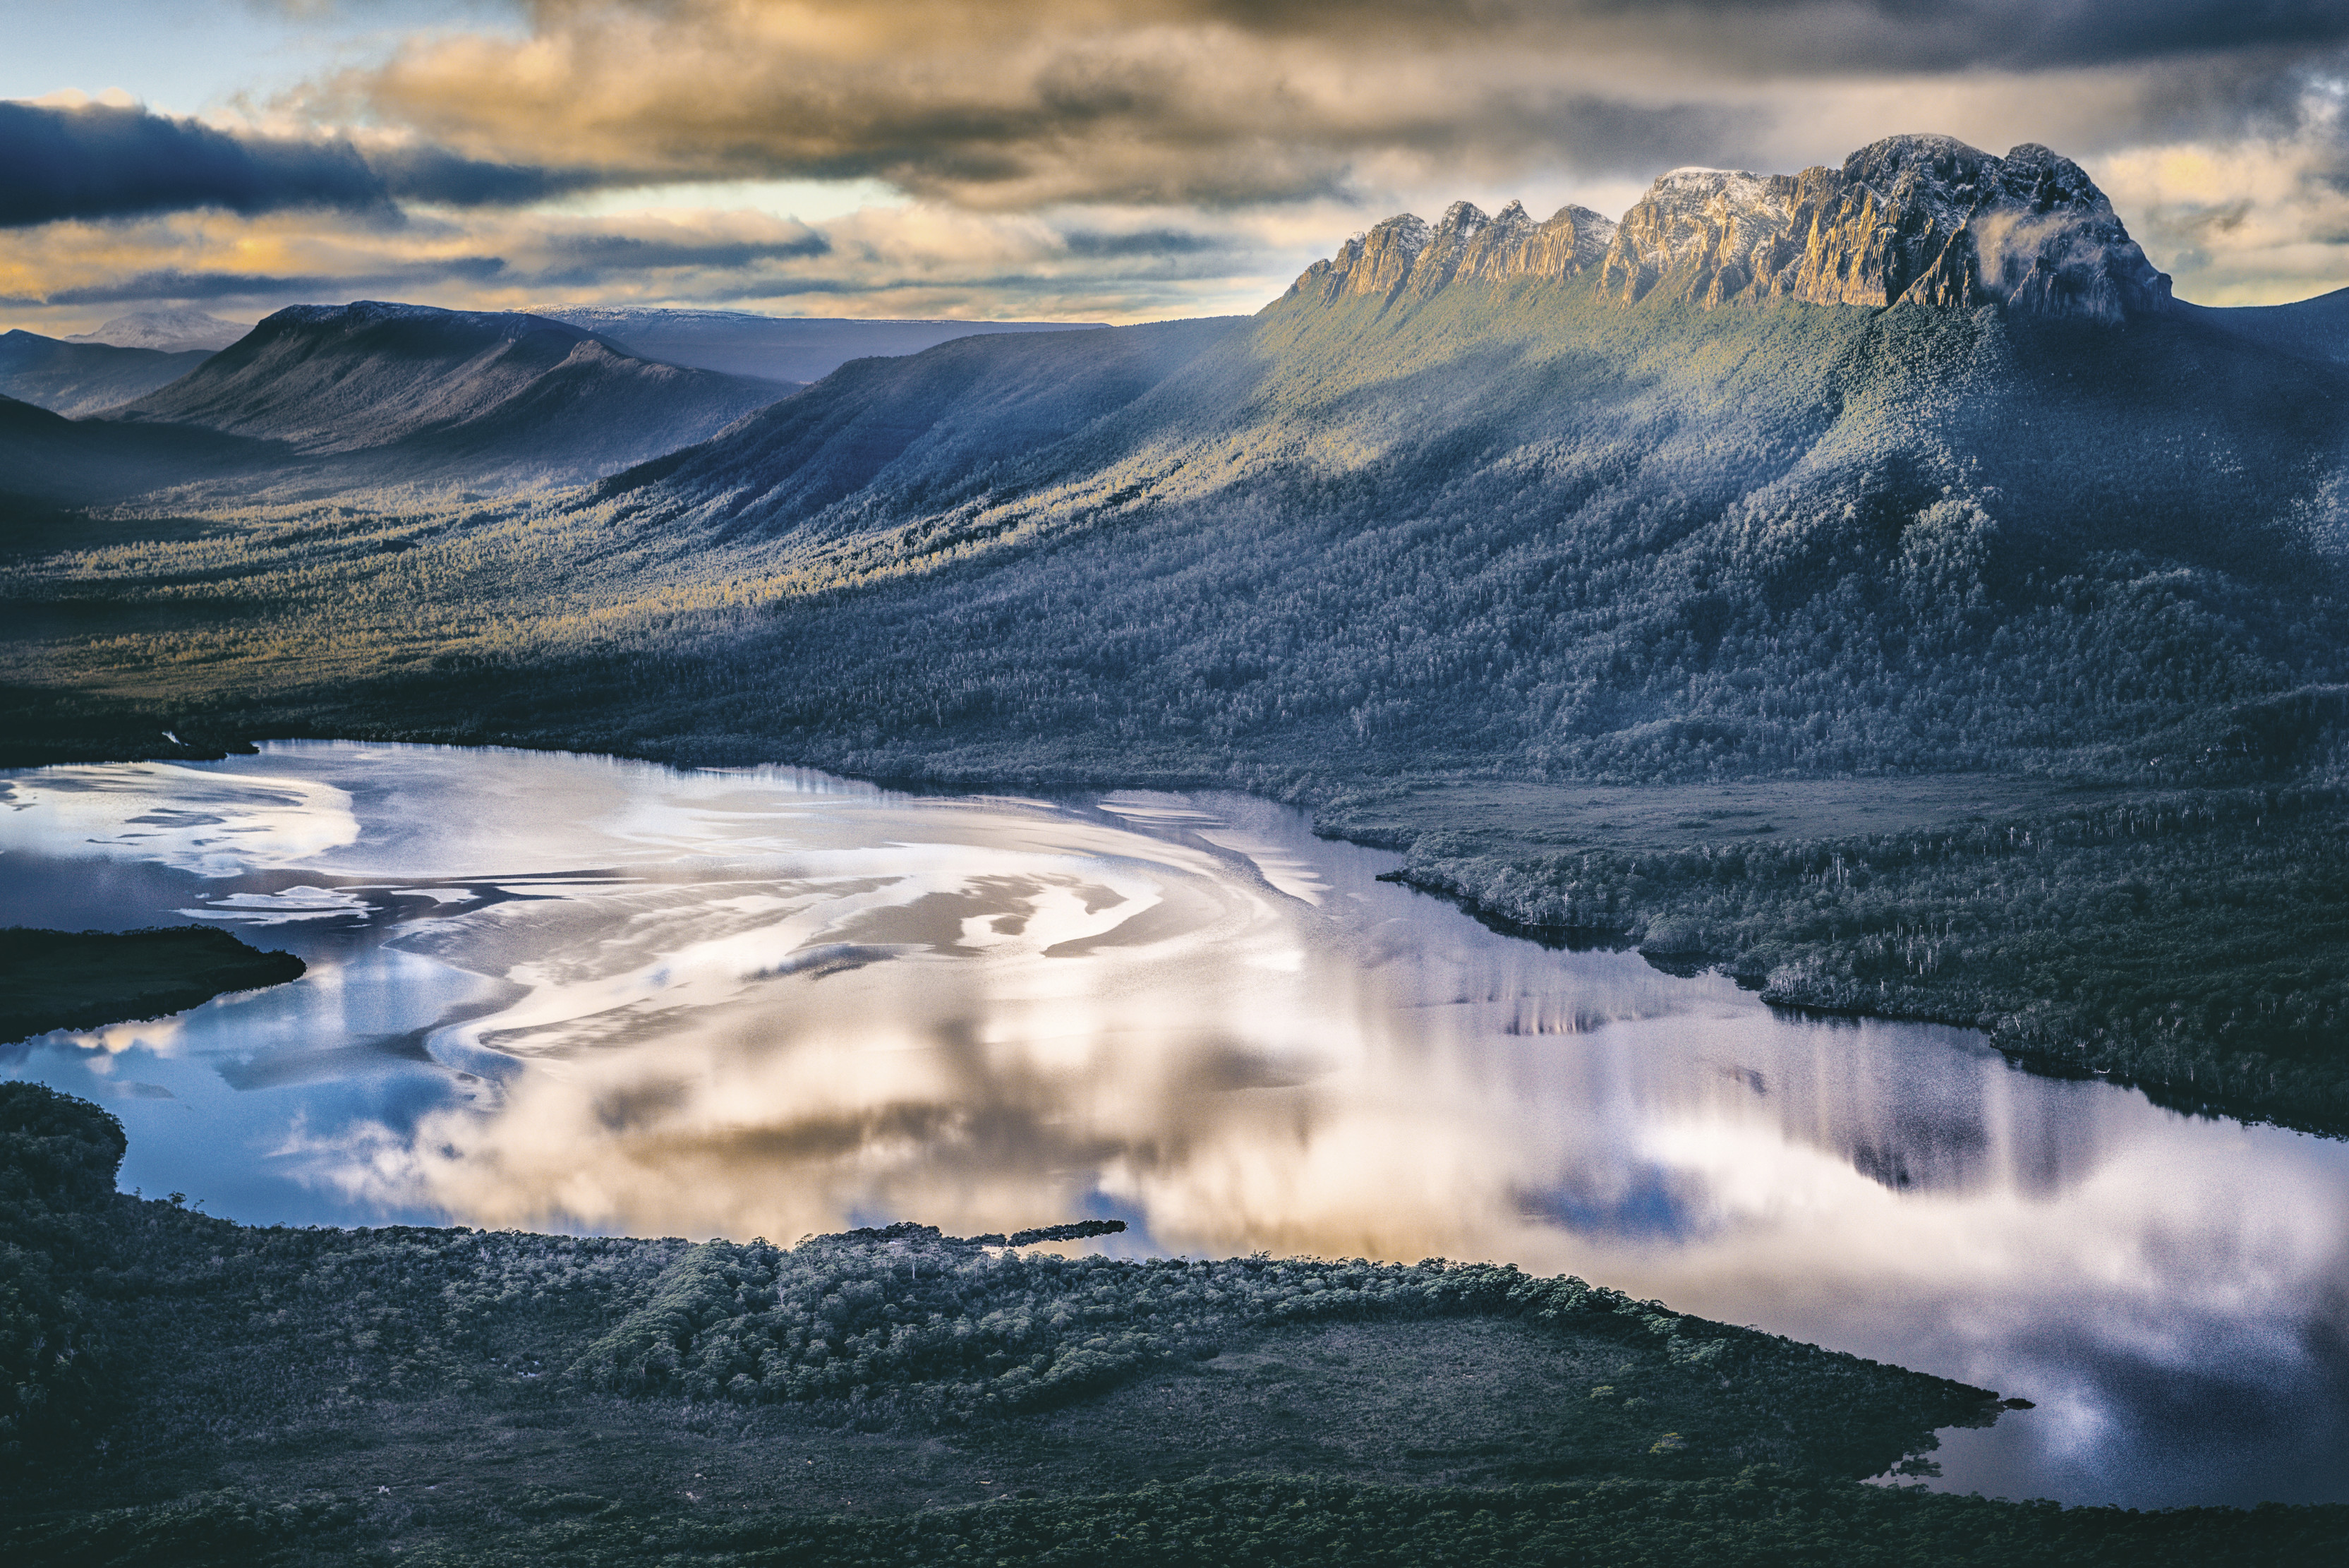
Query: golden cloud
[[902, 260], [1006, 108]]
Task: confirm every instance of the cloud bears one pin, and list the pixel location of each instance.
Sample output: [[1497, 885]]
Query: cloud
[[99, 160], [174, 284], [603, 251], [1148, 243], [1008, 107], [434, 174], [920, 262], [1141, 158], [2247, 220]]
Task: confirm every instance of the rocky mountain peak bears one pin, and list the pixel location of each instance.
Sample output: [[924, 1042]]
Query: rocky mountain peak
[[1924, 220], [1712, 221], [1403, 256]]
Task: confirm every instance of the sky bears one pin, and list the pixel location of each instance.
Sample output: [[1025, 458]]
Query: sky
[[1069, 160]]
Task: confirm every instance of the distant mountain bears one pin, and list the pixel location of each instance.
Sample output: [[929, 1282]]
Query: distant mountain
[[2315, 329], [49, 459], [418, 392], [75, 378], [170, 331], [1911, 463], [790, 349]]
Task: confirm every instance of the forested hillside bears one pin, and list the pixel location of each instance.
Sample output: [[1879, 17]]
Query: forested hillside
[[47, 458], [1522, 523]]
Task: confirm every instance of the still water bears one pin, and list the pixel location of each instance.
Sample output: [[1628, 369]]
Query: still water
[[576, 993]]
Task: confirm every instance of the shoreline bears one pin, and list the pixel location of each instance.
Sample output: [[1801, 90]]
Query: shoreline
[[2062, 1061]]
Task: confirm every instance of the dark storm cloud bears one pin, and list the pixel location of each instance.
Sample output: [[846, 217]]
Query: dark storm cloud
[[1888, 34], [436, 175], [603, 252], [1150, 242], [1905, 35], [172, 284], [100, 160]]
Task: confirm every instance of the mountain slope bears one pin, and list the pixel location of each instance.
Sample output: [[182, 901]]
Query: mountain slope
[[892, 438], [790, 350], [1466, 514], [1456, 496], [2315, 329], [46, 458], [417, 390], [80, 378]]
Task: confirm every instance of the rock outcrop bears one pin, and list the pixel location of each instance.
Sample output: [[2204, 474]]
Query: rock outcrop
[[1404, 256], [1917, 219]]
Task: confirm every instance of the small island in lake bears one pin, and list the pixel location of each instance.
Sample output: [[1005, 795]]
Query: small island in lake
[[88, 980]]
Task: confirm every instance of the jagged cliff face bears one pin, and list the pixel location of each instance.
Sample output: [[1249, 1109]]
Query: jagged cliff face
[[1918, 219], [1403, 256]]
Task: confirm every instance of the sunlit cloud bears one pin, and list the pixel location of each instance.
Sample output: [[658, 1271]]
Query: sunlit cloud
[[1109, 161], [911, 260]]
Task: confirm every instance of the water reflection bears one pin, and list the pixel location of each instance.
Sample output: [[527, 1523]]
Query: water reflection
[[574, 993]]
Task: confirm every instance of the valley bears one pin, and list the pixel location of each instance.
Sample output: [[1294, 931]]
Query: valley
[[1859, 595]]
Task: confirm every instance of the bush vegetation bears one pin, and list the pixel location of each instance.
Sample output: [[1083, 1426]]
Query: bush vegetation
[[85, 980], [1759, 1518], [2190, 941], [171, 1341]]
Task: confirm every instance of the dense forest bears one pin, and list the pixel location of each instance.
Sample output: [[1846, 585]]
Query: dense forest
[[2190, 941], [195, 1391]]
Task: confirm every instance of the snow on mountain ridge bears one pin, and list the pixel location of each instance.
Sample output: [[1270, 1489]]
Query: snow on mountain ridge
[[170, 331], [1921, 219]]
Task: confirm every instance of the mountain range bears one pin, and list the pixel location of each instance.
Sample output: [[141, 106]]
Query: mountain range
[[790, 349], [78, 378], [1912, 466], [324, 399], [417, 391], [1912, 462]]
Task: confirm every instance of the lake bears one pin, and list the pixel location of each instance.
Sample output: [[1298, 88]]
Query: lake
[[577, 993]]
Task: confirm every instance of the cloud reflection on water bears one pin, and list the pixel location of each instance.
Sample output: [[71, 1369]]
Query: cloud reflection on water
[[769, 1003]]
